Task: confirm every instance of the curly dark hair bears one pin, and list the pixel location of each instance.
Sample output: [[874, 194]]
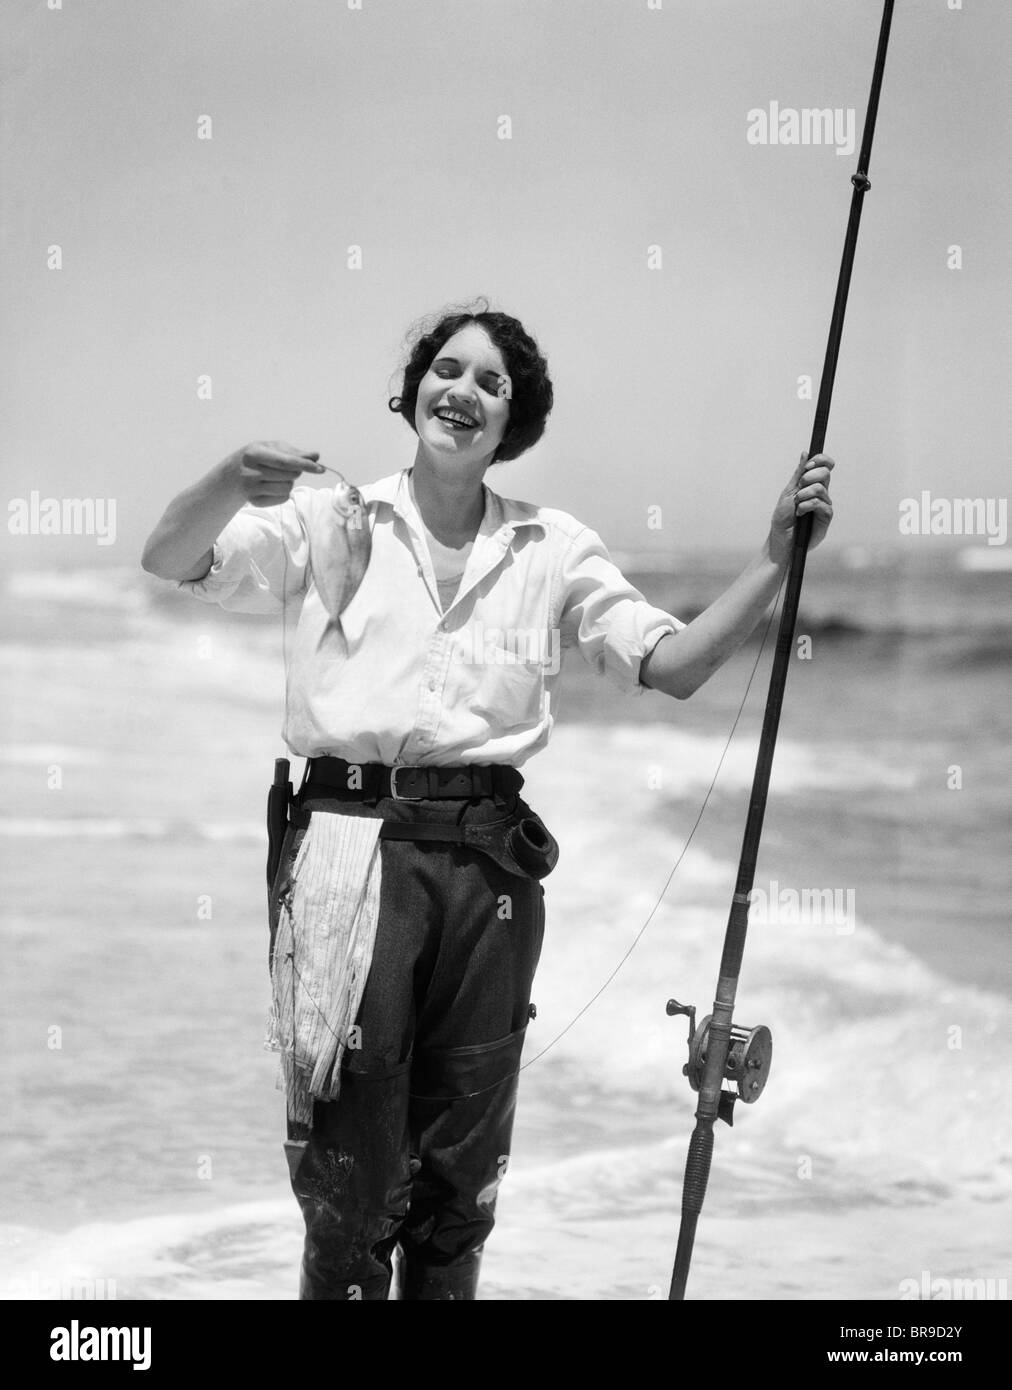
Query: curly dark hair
[[531, 385]]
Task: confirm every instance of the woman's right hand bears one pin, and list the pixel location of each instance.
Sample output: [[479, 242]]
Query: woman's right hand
[[265, 471], [181, 546]]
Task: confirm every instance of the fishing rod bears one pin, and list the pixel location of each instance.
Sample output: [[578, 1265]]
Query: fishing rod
[[719, 1048]]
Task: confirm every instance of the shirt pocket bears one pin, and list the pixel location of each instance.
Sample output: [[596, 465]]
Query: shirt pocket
[[509, 689], [511, 646]]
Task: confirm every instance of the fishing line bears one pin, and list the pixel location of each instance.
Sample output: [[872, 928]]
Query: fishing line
[[695, 826], [284, 610]]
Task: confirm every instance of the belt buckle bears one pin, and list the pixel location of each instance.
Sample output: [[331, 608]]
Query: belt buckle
[[398, 796]]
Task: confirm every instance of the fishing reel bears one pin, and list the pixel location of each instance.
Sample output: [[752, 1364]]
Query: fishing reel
[[749, 1058]]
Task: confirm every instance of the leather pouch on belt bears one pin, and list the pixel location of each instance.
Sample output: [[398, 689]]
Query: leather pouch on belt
[[522, 844]]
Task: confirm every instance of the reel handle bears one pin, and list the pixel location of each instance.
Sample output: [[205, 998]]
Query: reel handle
[[673, 1008]]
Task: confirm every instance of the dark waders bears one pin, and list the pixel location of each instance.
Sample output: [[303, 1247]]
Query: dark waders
[[412, 1152]]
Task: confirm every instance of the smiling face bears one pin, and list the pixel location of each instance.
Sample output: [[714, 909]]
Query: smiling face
[[462, 410]]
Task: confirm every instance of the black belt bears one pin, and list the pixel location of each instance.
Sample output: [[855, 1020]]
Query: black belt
[[372, 781], [521, 843]]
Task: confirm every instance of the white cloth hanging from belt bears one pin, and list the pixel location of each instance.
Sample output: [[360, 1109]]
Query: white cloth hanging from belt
[[322, 953]]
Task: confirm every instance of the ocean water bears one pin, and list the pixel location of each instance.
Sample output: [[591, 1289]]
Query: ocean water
[[141, 1145]]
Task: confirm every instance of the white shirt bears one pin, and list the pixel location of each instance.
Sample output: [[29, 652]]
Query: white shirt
[[404, 682]]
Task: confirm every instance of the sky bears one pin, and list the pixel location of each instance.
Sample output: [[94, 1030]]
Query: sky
[[380, 126]]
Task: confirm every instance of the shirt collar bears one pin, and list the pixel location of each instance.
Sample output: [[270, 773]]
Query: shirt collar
[[502, 517]]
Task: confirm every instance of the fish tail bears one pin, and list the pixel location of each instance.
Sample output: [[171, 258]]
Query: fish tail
[[332, 641]]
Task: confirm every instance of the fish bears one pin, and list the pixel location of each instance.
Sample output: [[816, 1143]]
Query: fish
[[340, 551]]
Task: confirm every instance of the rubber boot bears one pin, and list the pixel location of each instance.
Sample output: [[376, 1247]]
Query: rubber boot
[[461, 1144], [354, 1185]]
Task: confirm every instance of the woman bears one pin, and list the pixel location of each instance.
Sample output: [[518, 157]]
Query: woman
[[443, 659]]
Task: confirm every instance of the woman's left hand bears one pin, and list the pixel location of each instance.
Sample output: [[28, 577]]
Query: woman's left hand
[[807, 491]]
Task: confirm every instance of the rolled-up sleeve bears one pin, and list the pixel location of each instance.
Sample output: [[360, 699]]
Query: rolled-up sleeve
[[607, 617], [260, 559]]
